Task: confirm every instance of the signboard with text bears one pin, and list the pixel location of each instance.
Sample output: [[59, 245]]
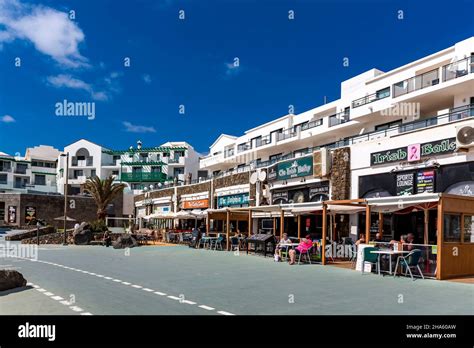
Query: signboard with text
[[291, 169], [233, 200], [405, 184], [425, 181], [196, 204], [413, 152], [30, 214]]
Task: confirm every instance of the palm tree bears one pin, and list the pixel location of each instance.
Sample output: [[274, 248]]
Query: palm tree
[[103, 192]]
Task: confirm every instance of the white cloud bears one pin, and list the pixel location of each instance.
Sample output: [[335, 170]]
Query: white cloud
[[109, 85], [50, 31], [7, 119], [138, 129], [146, 78]]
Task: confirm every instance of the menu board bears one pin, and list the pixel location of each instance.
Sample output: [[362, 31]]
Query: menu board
[[425, 181], [405, 184], [30, 214]]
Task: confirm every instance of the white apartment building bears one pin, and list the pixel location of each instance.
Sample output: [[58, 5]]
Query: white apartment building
[[415, 112], [33, 173], [139, 167]]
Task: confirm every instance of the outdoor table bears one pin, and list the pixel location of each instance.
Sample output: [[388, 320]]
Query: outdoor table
[[209, 240], [287, 245], [390, 253]]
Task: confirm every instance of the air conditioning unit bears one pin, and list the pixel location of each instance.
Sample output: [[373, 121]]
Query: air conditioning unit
[[321, 163], [465, 136]]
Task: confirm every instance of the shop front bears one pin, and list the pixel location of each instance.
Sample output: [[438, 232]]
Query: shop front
[[196, 206]]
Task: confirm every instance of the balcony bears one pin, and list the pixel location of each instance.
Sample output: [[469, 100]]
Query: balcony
[[383, 93], [312, 124], [416, 83], [5, 169], [20, 170], [458, 69], [143, 177], [286, 134], [263, 141], [244, 147], [229, 153], [87, 162], [339, 118], [179, 160]]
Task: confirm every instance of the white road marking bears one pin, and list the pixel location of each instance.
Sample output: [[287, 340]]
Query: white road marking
[[58, 298], [206, 307], [78, 309]]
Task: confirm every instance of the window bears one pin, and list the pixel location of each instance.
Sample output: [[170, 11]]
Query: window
[[115, 159], [5, 166], [452, 228], [3, 179], [115, 172], [78, 173], [388, 125], [178, 154], [40, 179], [468, 229], [178, 171], [300, 126], [383, 93], [93, 173], [156, 169], [275, 157], [136, 169]]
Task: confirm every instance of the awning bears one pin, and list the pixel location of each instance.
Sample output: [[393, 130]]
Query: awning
[[396, 203], [164, 215], [345, 209]]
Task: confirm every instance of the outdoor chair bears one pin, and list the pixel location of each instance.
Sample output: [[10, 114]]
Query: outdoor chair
[[353, 255], [234, 244], [218, 243], [408, 262], [370, 257], [306, 254]]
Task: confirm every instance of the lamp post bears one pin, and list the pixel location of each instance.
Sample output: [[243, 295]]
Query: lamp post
[[66, 175], [38, 225]]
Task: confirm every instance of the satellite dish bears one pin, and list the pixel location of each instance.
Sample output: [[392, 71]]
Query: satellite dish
[[254, 178], [262, 175]]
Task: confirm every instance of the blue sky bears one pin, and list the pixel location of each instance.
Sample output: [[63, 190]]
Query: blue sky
[[188, 62]]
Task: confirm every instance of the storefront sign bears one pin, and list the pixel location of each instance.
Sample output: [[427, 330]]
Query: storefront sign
[[413, 152], [196, 204], [161, 209], [233, 200], [291, 169], [11, 214], [405, 184], [30, 214], [425, 181], [301, 194]]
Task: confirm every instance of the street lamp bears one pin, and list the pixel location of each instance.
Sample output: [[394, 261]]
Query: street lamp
[[66, 175]]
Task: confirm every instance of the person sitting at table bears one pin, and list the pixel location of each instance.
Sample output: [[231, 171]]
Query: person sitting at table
[[305, 244], [361, 239], [410, 241], [279, 247]]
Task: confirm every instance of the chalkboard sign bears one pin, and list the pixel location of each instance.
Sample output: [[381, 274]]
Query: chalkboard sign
[[405, 184], [425, 181]]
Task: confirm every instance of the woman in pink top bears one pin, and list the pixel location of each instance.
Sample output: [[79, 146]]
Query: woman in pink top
[[305, 244]]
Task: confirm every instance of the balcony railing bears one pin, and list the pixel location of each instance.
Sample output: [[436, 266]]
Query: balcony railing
[[263, 141], [286, 134], [172, 160], [371, 98], [20, 170], [339, 118], [312, 124], [427, 79], [244, 147], [458, 69], [5, 169], [229, 153], [143, 176]]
